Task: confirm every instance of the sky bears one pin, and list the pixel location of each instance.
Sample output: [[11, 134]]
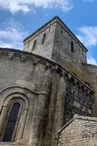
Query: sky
[[19, 18]]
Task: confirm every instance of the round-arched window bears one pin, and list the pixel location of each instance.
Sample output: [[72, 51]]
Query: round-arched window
[[44, 37], [11, 123]]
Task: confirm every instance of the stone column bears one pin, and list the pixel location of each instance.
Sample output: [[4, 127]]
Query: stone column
[[39, 112], [49, 137], [60, 106], [2, 118], [22, 125]]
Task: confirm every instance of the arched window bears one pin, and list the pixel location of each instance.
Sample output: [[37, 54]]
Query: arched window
[[11, 123], [72, 47], [34, 45], [44, 37]]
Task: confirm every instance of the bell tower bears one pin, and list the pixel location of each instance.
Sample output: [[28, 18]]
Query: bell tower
[[55, 41]]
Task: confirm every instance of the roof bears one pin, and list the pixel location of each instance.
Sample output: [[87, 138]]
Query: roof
[[56, 17], [78, 117], [57, 20]]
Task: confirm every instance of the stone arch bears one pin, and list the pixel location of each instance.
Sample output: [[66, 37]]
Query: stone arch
[[43, 38], [9, 96], [5, 93], [11, 122], [16, 97]]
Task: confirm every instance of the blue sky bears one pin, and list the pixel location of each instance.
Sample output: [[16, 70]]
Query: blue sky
[[19, 18]]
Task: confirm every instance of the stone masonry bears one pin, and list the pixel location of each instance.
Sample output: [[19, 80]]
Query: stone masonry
[[80, 131], [46, 84]]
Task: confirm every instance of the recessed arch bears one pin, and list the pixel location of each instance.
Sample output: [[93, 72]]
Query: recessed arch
[[7, 93], [17, 96], [11, 123], [9, 97], [43, 38], [72, 46], [34, 45]]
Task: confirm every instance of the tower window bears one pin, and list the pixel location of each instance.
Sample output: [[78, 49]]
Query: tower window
[[44, 37], [34, 45], [12, 119], [72, 46]]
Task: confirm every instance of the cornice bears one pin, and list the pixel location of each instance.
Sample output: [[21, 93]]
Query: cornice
[[49, 64]]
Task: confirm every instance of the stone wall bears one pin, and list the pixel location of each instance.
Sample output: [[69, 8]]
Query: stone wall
[[47, 93], [62, 50], [41, 48], [78, 100], [57, 44], [91, 71], [26, 79], [80, 131]]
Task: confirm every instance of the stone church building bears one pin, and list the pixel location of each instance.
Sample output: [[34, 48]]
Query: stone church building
[[48, 92]]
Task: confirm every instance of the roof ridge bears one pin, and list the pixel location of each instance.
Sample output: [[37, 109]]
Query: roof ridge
[[51, 20], [59, 19]]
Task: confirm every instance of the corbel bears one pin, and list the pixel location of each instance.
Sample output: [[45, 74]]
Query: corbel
[[23, 57], [11, 55]]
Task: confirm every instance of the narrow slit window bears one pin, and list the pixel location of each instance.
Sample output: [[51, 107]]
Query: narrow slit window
[[34, 45], [44, 37], [72, 46], [10, 127]]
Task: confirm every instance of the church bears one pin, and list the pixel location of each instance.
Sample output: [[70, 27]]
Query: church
[[48, 91]]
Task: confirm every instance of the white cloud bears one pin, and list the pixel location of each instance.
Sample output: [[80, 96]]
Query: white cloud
[[88, 35], [91, 60], [12, 36], [27, 5]]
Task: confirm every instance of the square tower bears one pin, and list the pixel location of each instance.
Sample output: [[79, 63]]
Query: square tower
[[55, 41]]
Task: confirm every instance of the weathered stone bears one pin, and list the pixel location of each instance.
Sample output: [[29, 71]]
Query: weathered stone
[[47, 81], [80, 131]]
